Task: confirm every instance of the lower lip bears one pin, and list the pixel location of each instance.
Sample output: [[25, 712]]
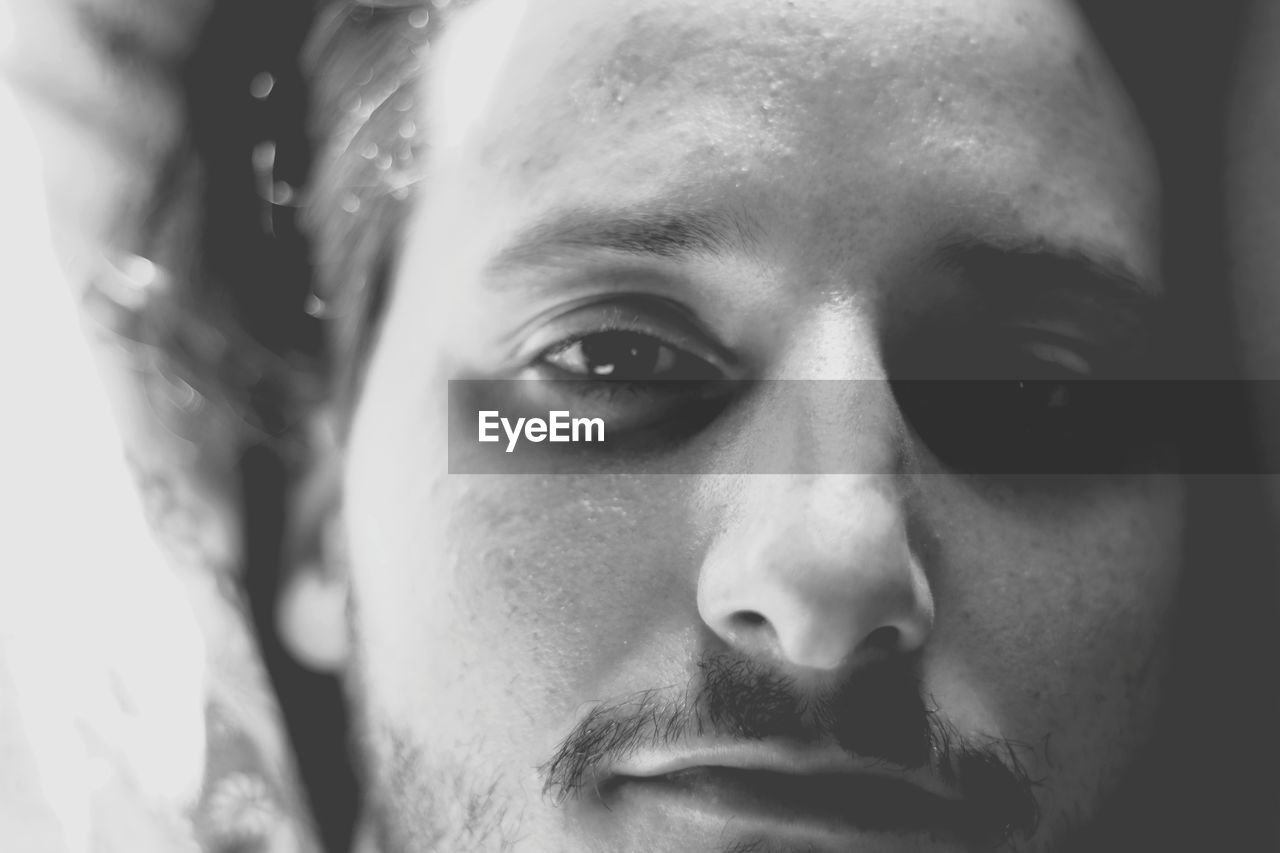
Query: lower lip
[[717, 805]]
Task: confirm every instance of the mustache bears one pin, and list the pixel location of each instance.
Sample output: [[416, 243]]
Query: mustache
[[878, 713]]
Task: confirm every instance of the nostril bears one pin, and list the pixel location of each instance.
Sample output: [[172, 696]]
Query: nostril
[[748, 619], [886, 638]]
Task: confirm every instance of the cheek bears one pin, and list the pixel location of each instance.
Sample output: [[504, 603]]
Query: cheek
[[495, 589], [497, 586], [565, 574], [1054, 617]]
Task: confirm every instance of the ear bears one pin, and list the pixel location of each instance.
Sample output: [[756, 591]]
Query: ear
[[311, 614]]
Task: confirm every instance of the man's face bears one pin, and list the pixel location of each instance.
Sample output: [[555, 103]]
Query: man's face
[[815, 616]]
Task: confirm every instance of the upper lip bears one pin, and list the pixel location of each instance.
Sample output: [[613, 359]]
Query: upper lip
[[779, 758], [823, 788]]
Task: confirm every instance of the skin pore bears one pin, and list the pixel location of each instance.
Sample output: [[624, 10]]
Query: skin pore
[[805, 191]]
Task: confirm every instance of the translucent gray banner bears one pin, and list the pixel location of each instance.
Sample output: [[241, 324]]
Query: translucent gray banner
[[988, 427]]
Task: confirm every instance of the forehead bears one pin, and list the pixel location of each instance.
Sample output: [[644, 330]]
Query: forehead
[[812, 108]]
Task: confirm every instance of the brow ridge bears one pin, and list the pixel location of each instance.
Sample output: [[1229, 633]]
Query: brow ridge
[[662, 232]]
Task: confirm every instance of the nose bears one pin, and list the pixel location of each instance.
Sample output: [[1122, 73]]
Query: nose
[[816, 570]]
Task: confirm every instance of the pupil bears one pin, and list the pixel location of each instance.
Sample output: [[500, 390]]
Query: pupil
[[620, 355]]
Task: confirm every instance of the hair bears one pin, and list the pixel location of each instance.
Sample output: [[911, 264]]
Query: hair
[[276, 224], [302, 197]]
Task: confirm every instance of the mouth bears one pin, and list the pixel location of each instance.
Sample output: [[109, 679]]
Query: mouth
[[821, 800], [833, 802]]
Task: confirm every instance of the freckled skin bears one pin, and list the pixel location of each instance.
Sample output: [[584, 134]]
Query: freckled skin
[[490, 610]]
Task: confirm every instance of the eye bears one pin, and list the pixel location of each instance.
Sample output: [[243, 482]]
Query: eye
[[650, 391], [1032, 409], [1048, 357], [625, 356]]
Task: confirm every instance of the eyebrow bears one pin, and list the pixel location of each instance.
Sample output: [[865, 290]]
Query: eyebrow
[[655, 233], [1023, 268], [1032, 269], [1015, 268]]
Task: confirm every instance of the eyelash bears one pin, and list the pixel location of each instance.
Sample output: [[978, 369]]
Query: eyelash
[[668, 357]]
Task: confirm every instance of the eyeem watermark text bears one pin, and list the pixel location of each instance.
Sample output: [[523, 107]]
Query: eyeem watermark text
[[559, 426]]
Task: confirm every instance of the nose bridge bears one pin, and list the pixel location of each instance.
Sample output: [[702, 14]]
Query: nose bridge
[[825, 426], [836, 340], [840, 426], [827, 406]]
